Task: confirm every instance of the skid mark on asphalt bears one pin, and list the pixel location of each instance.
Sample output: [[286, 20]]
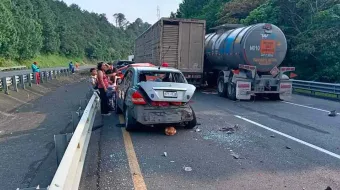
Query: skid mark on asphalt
[[318, 109], [137, 176], [35, 93], [16, 99], [290, 137]]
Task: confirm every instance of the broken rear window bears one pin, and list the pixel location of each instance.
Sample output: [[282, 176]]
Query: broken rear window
[[161, 77]]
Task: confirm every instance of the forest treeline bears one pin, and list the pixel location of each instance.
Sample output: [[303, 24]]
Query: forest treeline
[[48, 27], [312, 28]]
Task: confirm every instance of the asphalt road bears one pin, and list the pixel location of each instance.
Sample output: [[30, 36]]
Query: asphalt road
[[26, 133], [277, 145], [21, 72]]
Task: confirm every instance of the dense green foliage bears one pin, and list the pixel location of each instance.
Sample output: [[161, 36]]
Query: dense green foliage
[[312, 28], [30, 28]]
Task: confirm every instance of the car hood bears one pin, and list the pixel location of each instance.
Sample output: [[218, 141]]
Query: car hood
[[157, 91]]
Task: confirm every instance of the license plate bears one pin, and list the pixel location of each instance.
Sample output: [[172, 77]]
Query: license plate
[[170, 94]]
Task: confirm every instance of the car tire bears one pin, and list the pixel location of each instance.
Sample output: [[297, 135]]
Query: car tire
[[130, 122], [191, 124], [117, 109]]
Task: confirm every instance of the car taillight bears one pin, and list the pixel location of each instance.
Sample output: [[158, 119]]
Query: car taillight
[[137, 98], [160, 104], [176, 103]]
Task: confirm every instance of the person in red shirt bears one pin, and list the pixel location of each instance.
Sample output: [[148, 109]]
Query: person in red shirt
[[103, 84]]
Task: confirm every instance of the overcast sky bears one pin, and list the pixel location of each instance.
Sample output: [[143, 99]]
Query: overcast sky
[[132, 9]]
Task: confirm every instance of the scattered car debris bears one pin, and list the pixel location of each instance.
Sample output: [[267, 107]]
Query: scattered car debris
[[287, 147], [332, 113], [187, 169], [229, 130], [165, 154], [236, 156], [170, 131]]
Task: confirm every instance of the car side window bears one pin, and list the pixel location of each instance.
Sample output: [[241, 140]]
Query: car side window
[[127, 79]]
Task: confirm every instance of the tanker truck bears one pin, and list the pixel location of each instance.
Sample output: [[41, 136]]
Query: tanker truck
[[244, 61]]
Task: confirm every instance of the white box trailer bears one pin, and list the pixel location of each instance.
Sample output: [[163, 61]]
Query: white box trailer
[[178, 42]]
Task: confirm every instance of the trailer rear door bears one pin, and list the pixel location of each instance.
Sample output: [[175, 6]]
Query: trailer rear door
[[191, 47]]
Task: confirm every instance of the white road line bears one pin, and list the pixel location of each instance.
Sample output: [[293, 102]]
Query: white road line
[[290, 137], [308, 107]]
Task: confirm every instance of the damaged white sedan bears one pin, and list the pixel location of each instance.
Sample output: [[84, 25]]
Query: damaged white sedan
[[155, 96]]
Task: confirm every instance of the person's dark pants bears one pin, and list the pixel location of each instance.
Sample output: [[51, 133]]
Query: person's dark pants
[[104, 101]]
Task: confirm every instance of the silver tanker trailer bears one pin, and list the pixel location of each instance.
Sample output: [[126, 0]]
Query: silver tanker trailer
[[245, 60]]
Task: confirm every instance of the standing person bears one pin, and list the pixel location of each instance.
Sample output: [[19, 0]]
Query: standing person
[[103, 83], [71, 67], [93, 78], [77, 66], [36, 72]]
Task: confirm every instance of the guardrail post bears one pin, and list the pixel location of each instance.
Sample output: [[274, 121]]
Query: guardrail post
[[45, 76], [41, 77], [22, 81], [51, 75], [15, 83], [29, 79], [61, 142], [4, 85]]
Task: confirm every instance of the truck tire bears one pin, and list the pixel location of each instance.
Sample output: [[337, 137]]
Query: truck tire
[[221, 87], [130, 122], [274, 96], [191, 124], [231, 88]]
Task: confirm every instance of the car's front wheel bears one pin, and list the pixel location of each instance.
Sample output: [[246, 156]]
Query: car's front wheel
[[117, 109], [130, 122], [191, 124]]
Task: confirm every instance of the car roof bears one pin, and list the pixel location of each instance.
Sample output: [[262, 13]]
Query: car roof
[[165, 69]]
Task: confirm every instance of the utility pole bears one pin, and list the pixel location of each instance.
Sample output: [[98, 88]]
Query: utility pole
[[158, 13]]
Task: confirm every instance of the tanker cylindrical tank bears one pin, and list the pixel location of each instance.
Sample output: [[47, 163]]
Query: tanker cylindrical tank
[[261, 45]]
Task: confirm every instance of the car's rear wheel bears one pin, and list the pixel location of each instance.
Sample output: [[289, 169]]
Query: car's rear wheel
[[130, 122], [191, 124]]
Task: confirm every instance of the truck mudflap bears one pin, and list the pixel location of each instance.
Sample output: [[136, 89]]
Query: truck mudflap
[[242, 90], [286, 89]]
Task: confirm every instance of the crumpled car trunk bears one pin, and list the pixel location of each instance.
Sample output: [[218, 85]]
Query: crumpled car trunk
[[168, 91]]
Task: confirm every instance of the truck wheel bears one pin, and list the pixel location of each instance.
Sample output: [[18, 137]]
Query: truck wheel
[[191, 124], [231, 91], [130, 122], [274, 96], [221, 87]]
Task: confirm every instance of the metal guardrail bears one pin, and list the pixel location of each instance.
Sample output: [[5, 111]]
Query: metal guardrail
[[17, 81], [12, 68], [69, 172], [317, 89]]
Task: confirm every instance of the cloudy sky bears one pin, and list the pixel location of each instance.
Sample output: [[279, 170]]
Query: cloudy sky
[[144, 9]]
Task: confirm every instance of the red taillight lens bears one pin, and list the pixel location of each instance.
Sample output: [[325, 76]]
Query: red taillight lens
[[165, 104], [137, 98], [160, 104], [176, 103]]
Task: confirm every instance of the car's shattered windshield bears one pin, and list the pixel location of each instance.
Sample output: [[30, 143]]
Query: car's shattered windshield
[[161, 77]]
